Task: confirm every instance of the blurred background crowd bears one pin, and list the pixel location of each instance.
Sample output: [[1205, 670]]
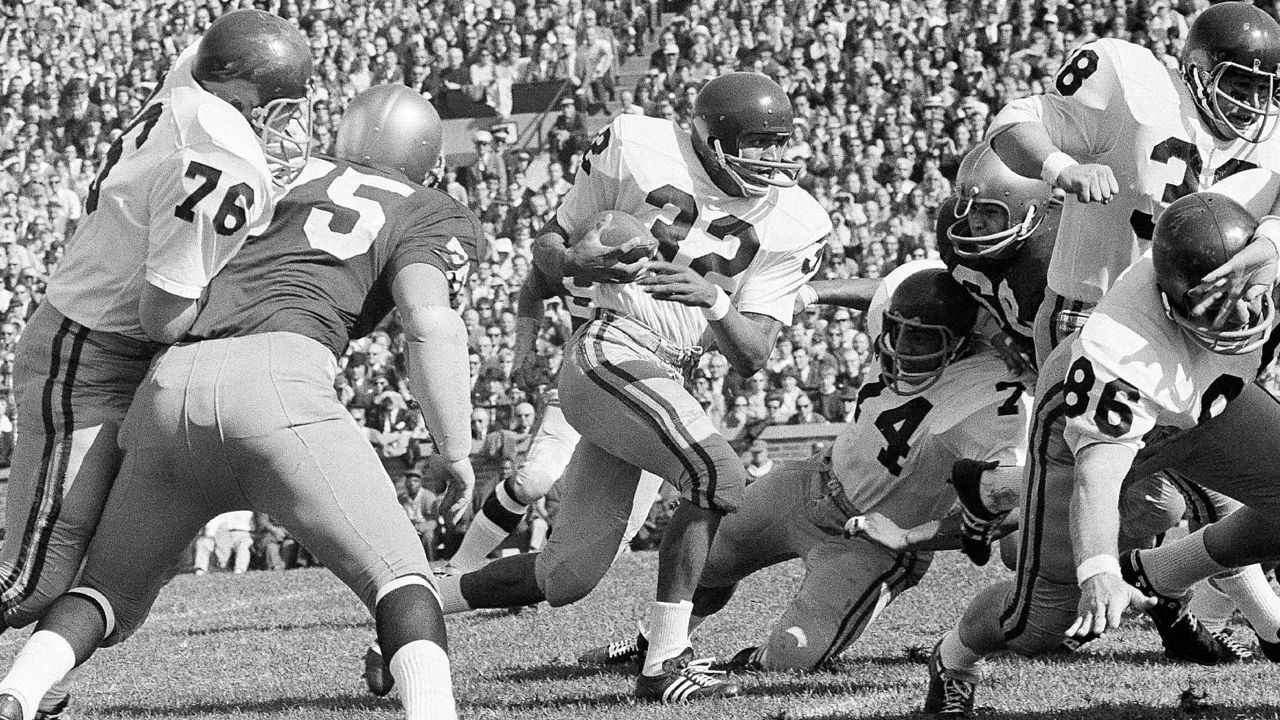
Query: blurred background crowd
[[888, 95]]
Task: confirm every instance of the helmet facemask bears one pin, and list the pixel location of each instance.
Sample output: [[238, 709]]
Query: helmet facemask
[[1242, 339], [756, 175], [997, 245], [283, 126], [914, 354], [1252, 119]]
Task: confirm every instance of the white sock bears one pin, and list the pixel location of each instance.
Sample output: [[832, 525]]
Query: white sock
[[45, 659], [1174, 568], [421, 670], [451, 600], [959, 661], [1249, 588], [1211, 606], [482, 537], [668, 633]]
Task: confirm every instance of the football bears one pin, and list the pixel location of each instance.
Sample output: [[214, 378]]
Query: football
[[618, 228]]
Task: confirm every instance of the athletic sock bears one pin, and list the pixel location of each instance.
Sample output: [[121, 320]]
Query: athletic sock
[[498, 518], [957, 660], [421, 670], [1174, 568], [1212, 607], [451, 600], [45, 659], [1249, 588], [668, 633]]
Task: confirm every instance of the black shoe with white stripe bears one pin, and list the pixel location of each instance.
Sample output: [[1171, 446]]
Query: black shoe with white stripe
[[619, 652], [746, 660], [53, 705], [684, 679]]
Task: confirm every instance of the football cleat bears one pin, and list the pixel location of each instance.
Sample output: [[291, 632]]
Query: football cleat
[[1185, 638], [10, 708], [53, 705], [618, 652], [684, 679], [1270, 650], [377, 675], [746, 660], [948, 695]]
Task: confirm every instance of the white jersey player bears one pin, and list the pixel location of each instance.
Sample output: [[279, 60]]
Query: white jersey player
[[736, 241], [945, 403]]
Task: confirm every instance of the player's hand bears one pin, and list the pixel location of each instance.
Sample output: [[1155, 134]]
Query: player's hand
[[678, 283], [589, 259], [457, 496], [1230, 293], [1089, 182], [1103, 600], [1012, 353], [878, 529]]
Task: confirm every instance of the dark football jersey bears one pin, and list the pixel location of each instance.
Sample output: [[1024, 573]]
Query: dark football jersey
[[324, 267], [1010, 289]]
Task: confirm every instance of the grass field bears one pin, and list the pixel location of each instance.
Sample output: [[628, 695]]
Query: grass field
[[288, 645]]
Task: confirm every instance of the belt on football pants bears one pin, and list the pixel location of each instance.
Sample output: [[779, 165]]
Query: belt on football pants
[[684, 359], [834, 488]]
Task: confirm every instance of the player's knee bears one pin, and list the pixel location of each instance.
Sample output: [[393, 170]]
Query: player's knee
[[87, 619], [794, 648], [408, 609], [721, 482], [1150, 506], [564, 583], [531, 484]]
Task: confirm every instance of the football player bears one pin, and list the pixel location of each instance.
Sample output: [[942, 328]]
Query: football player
[[945, 404], [243, 415], [181, 188], [1113, 389], [737, 238]]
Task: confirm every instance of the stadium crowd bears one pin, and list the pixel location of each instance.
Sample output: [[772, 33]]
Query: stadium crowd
[[888, 96]]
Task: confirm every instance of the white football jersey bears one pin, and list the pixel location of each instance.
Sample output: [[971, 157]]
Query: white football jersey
[[895, 458], [1133, 368], [176, 196], [760, 250], [1114, 103]]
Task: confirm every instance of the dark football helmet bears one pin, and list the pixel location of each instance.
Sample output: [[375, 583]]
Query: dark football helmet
[[1231, 63], [925, 326], [735, 105], [984, 179], [261, 65], [1195, 235], [393, 127]]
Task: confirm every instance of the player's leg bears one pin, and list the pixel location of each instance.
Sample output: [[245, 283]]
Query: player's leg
[[126, 565], [634, 406], [72, 389], [1056, 319], [318, 476]]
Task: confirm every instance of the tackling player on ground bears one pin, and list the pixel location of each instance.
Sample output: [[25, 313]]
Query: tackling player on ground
[[244, 416]]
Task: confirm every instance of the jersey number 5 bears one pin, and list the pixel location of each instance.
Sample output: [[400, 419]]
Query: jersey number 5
[[347, 225]]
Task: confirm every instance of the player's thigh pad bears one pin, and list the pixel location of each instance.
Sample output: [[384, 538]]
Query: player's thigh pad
[[847, 584], [1056, 319], [549, 451], [633, 405], [596, 497]]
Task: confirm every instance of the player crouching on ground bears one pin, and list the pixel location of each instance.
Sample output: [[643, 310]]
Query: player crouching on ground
[[243, 416], [945, 407]]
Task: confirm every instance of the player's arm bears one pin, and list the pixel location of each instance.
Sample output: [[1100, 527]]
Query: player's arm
[[584, 257], [438, 371], [1043, 136], [204, 204], [853, 293], [529, 309], [1232, 292]]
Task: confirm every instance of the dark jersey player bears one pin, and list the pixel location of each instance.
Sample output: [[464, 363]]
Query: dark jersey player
[[246, 417]]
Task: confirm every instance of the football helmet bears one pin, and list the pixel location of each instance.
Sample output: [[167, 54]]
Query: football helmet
[[984, 179], [393, 127], [735, 105], [1195, 235], [1231, 63], [261, 64], [925, 326]]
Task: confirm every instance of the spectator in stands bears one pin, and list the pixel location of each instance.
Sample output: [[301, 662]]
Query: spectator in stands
[[569, 132], [758, 464]]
